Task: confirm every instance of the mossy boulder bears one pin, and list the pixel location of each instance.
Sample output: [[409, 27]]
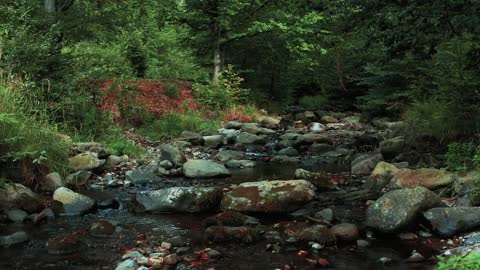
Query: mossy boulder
[[13, 195], [85, 161]]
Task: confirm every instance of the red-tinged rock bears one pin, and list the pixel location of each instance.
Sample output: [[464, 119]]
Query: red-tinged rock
[[302, 253], [323, 262], [286, 267], [346, 231]]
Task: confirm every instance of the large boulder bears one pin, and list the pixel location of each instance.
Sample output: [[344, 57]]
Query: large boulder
[[365, 164], [171, 153], [429, 178], [269, 196], [14, 195], [180, 199], [85, 161], [199, 168], [399, 208], [390, 148], [72, 203], [450, 221]]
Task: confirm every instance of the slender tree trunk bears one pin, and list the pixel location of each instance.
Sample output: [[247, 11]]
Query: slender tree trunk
[[217, 51], [50, 6]]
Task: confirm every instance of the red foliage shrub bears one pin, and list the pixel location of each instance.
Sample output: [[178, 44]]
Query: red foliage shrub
[[145, 94], [236, 114]]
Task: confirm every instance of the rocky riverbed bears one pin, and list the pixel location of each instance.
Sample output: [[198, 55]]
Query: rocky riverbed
[[305, 190]]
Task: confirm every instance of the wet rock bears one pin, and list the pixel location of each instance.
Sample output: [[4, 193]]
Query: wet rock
[[320, 148], [17, 215], [85, 161], [354, 119], [325, 214], [289, 151], [251, 128], [102, 228], [269, 196], [113, 161], [65, 244], [180, 199], [313, 138], [284, 159], [171, 153], [390, 148], [226, 155], [399, 208], [302, 231], [139, 177], [318, 179], [232, 219], [198, 168], [345, 231], [14, 195], [218, 234], [429, 178], [269, 121], [192, 137], [240, 163], [127, 265], [166, 164], [365, 164], [73, 203], [327, 119], [79, 178], [450, 221], [233, 125], [290, 136], [316, 127], [13, 239], [93, 147], [247, 138], [52, 181], [381, 176], [213, 141]]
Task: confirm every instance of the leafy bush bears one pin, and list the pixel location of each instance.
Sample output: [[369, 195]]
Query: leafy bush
[[463, 157], [469, 262], [172, 124], [171, 90], [313, 102], [117, 144]]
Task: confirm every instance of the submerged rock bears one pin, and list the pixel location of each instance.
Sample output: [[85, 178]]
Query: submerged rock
[[449, 221], [200, 168], [230, 218], [227, 234], [269, 196], [399, 208], [73, 203], [180, 199], [302, 231]]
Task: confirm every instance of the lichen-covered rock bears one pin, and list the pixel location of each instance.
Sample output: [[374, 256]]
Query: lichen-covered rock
[[247, 138], [73, 203], [85, 161], [425, 177], [449, 221], [269, 196], [199, 168], [180, 199], [399, 208], [14, 195], [381, 176]]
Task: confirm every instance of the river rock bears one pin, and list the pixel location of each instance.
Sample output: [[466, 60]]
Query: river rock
[[13, 239], [251, 128], [269, 196], [77, 179], [318, 179], [242, 163], [113, 161], [17, 215], [311, 138], [171, 153], [365, 164], [142, 176], [219, 234], [320, 148], [52, 181], [85, 161], [390, 148], [290, 136], [284, 159], [269, 121], [13, 195], [127, 265], [429, 178], [450, 221], [93, 147], [399, 208], [233, 125], [192, 137], [289, 151], [302, 231], [226, 155], [73, 203], [354, 119], [199, 168], [381, 176], [247, 138], [346, 231], [230, 218], [213, 141], [325, 214], [327, 119], [180, 199]]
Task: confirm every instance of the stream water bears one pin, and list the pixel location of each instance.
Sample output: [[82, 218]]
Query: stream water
[[104, 253]]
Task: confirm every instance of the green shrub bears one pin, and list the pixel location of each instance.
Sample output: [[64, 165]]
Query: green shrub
[[172, 124], [313, 102], [171, 90], [463, 157], [468, 262]]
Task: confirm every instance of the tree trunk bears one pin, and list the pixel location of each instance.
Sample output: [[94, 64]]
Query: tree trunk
[[217, 63], [50, 6]]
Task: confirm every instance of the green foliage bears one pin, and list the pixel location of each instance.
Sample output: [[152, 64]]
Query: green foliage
[[463, 157], [171, 90], [468, 262], [313, 102], [117, 144], [172, 124]]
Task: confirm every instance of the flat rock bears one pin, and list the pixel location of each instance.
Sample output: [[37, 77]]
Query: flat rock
[[450, 221], [199, 168], [425, 177]]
